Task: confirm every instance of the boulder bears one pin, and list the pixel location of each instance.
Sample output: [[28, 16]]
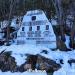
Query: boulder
[[44, 51], [25, 67], [71, 61], [42, 63], [7, 62], [47, 64], [32, 59]]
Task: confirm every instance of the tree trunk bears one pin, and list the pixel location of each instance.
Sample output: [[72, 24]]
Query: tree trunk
[[72, 11], [8, 26], [59, 13], [72, 41]]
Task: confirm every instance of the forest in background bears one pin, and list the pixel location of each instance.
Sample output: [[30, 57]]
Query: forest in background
[[19, 7], [62, 9]]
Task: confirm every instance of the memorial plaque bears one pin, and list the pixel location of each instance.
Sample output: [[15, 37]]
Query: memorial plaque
[[22, 34]]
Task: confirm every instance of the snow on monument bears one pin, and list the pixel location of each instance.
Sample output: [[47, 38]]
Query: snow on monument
[[36, 30]]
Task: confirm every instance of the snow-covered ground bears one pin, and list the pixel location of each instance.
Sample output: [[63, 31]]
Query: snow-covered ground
[[24, 73], [67, 41], [19, 51]]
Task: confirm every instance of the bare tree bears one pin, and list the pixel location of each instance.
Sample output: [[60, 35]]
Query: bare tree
[[60, 20], [59, 13], [8, 26], [72, 11]]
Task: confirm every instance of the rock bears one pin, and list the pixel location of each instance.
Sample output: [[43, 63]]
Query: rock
[[44, 51], [7, 62], [12, 64], [71, 61], [25, 67], [42, 63], [21, 68], [47, 64], [61, 61], [32, 59]]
